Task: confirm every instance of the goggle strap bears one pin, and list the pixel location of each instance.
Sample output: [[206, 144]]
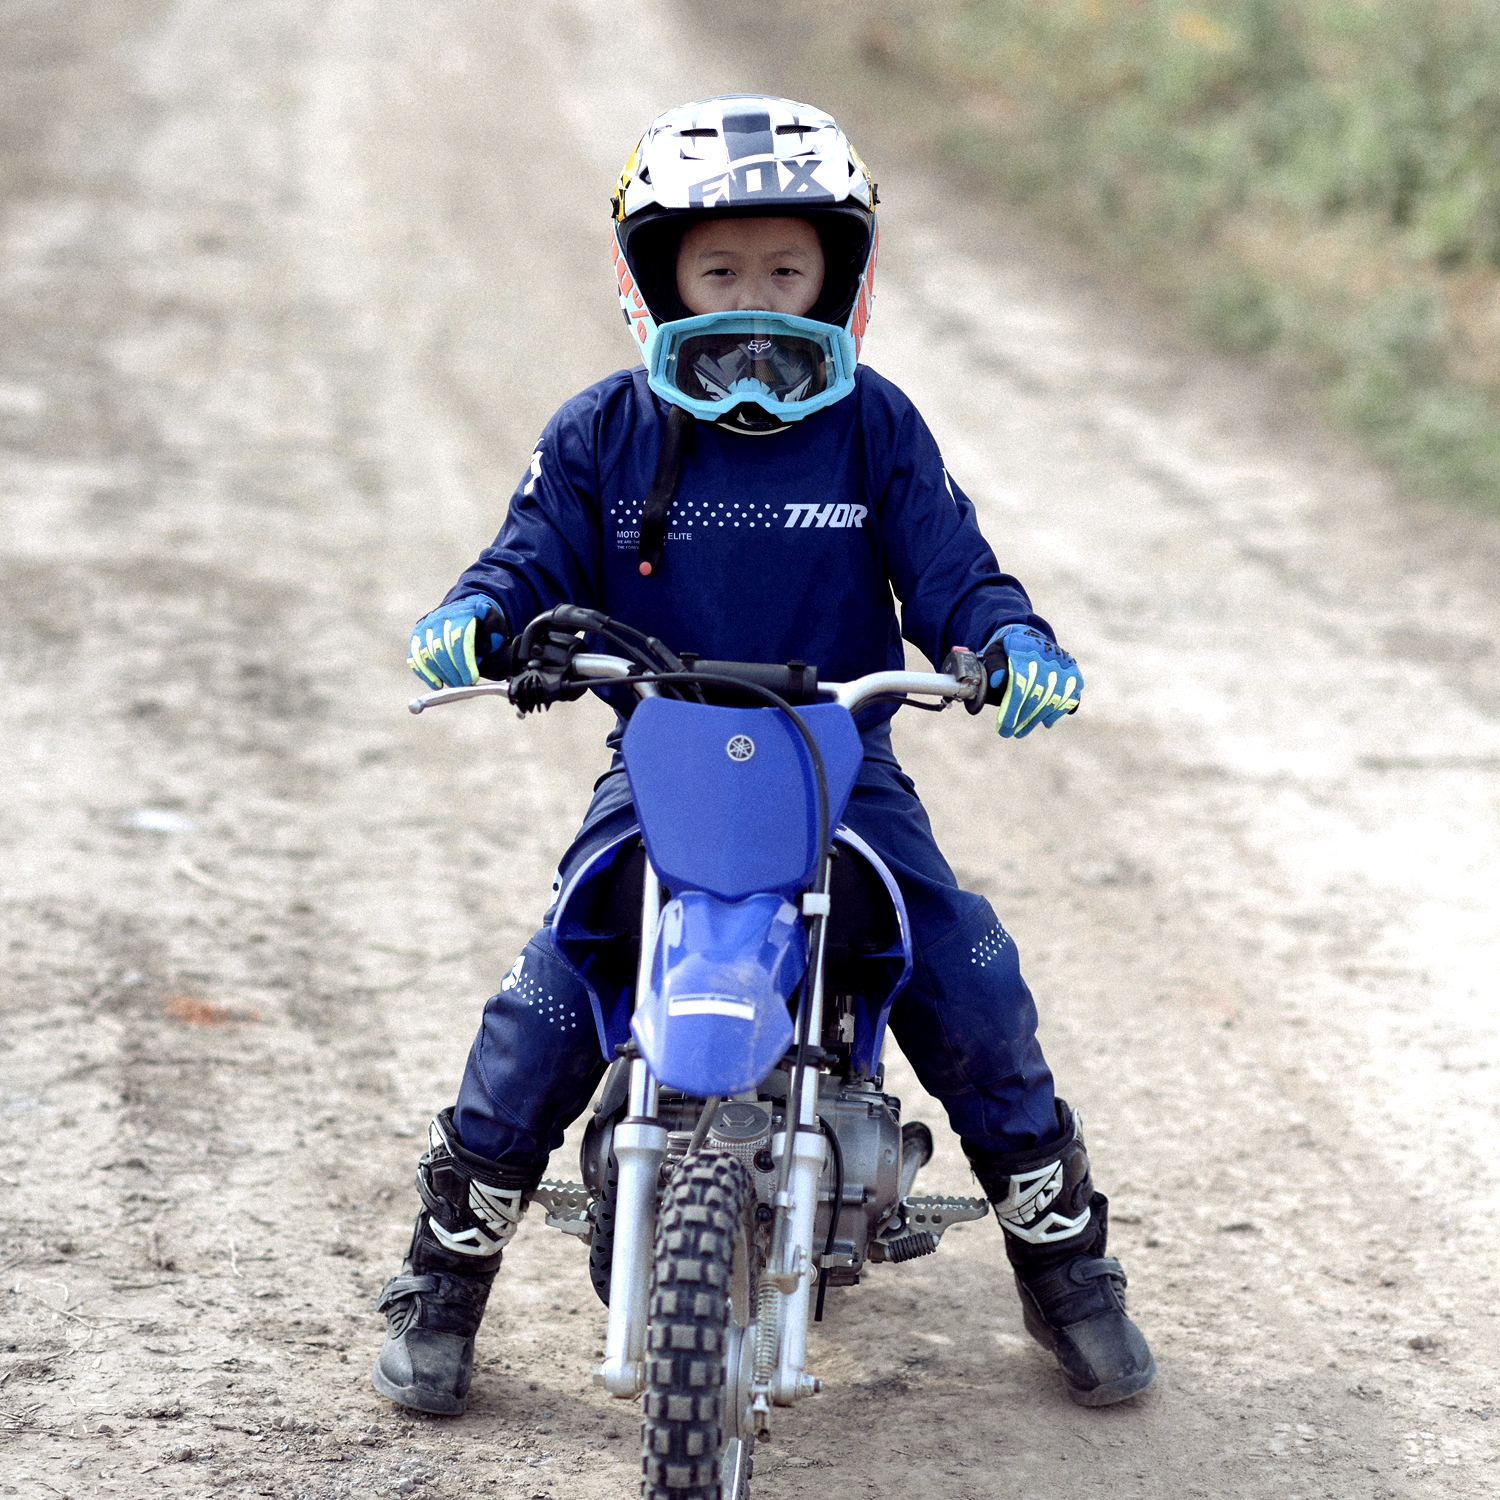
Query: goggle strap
[[659, 497]]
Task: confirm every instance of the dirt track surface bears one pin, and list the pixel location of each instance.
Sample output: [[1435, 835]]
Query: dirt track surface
[[288, 290]]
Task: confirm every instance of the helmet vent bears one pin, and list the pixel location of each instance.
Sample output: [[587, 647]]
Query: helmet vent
[[748, 134], [696, 133]]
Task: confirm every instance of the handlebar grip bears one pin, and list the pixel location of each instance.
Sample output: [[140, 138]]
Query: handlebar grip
[[796, 681]]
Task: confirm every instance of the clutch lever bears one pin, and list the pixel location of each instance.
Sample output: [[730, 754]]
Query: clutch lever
[[457, 695]]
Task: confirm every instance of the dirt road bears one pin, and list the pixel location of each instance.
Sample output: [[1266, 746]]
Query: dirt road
[[288, 288]]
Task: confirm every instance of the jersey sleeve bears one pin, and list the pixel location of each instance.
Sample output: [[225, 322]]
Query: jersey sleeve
[[942, 570], [549, 548]]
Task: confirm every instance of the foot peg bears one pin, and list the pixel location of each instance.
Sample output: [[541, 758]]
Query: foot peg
[[921, 1222], [567, 1207]]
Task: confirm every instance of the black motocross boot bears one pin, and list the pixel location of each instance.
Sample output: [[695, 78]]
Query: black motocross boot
[[1072, 1295], [470, 1209]]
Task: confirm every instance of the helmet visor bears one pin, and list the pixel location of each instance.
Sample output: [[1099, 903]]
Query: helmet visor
[[787, 366]]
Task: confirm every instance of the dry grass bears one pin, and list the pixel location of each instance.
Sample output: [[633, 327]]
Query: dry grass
[[1316, 179]]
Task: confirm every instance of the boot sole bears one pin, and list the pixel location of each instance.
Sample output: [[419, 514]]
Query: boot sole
[[435, 1403]]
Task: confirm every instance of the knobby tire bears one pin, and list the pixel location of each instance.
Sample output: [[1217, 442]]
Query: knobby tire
[[705, 1214]]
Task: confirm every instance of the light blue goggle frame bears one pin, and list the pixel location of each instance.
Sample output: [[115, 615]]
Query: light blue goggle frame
[[667, 339]]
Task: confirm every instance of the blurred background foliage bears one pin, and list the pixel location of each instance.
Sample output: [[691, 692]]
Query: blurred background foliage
[[1318, 179]]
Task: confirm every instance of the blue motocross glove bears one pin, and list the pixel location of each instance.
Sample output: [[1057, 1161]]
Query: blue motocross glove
[[1032, 679], [447, 644]]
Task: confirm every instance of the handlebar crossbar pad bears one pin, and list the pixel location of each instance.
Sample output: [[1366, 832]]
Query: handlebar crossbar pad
[[796, 682]]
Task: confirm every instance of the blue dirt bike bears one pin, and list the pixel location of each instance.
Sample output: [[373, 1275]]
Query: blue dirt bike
[[743, 1155]]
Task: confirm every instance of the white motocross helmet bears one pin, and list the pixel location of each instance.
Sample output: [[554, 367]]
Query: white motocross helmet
[[745, 154]]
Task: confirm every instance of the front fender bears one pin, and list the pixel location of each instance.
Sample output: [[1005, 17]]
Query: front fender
[[715, 1019]]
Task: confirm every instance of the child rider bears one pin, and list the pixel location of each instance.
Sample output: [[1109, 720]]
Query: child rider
[[752, 494]]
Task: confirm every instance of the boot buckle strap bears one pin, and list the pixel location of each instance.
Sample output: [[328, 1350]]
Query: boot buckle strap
[[1093, 1268], [398, 1288]]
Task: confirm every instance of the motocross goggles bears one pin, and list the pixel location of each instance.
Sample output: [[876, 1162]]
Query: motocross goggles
[[789, 367]]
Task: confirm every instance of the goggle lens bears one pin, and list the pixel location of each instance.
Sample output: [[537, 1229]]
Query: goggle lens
[[715, 362], [710, 367]]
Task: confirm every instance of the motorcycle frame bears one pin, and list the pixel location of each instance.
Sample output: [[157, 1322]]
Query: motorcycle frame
[[778, 1334]]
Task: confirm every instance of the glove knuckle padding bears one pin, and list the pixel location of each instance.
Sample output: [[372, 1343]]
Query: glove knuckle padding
[[445, 645], [417, 660], [471, 664], [1031, 667]]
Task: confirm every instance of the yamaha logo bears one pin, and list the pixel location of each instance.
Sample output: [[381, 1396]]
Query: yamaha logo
[[741, 747]]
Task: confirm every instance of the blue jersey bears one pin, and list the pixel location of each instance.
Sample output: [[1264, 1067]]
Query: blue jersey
[[778, 548]]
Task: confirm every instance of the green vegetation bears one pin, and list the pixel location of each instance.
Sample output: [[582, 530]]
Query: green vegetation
[[1314, 178]]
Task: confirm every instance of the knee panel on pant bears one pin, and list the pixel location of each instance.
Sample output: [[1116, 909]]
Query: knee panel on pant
[[534, 1064], [987, 1009], [542, 998], [968, 1024]]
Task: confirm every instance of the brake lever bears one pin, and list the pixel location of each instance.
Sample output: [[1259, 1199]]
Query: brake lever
[[456, 695]]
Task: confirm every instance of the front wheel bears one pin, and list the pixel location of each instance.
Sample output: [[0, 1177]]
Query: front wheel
[[702, 1297]]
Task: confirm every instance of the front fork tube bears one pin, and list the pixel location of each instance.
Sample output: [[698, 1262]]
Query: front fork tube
[[791, 1272], [809, 1148], [640, 1144]]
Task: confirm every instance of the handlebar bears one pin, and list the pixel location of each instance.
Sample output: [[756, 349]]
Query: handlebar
[[794, 682], [873, 685]]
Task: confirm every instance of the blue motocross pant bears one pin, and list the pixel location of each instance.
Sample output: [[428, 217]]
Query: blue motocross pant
[[965, 1020]]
